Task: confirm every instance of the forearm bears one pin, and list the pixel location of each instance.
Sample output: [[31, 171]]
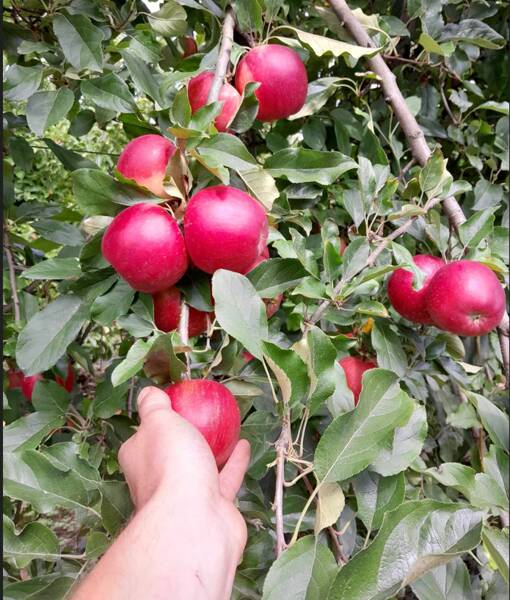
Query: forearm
[[161, 556]]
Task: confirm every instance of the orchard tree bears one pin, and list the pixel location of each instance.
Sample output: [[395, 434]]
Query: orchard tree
[[294, 211]]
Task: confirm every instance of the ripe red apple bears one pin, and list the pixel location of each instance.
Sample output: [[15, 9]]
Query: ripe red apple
[[14, 379], [212, 409], [145, 160], [28, 384], [407, 301], [189, 46], [282, 76], [263, 256], [68, 382], [224, 228], [272, 305], [466, 298], [198, 90], [145, 246], [354, 367], [167, 313], [247, 356]]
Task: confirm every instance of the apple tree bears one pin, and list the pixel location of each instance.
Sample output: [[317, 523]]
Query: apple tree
[[372, 391]]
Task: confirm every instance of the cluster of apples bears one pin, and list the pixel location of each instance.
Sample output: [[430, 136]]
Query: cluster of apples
[[463, 297], [16, 379]]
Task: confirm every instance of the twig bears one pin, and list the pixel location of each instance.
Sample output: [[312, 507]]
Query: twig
[[227, 39], [12, 277], [85, 333], [406, 168], [183, 334], [282, 447], [447, 106]]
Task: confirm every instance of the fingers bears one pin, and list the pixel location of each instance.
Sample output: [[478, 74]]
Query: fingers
[[152, 400], [232, 474]]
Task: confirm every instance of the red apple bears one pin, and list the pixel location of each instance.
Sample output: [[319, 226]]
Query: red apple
[[224, 228], [343, 246], [466, 298], [282, 76], [145, 160], [198, 90], [167, 313], [68, 382], [247, 356], [272, 305], [263, 256], [28, 384], [145, 246], [354, 367], [407, 301], [212, 409], [14, 379], [189, 46]]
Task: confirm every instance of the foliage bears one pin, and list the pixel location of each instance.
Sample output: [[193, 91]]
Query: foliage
[[410, 489]]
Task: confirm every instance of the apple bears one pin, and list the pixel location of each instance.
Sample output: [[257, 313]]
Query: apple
[[198, 90], [145, 160], [407, 301], [189, 46], [68, 382], [28, 384], [167, 313], [263, 256], [465, 297], [224, 228], [212, 409], [282, 77], [14, 379], [145, 246], [343, 246], [354, 367], [272, 305], [247, 356]]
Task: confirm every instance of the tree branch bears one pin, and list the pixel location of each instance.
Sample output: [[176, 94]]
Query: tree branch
[[227, 39], [12, 277], [282, 446]]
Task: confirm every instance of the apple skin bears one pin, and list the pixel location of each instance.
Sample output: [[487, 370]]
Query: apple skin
[[354, 367], [145, 246], [466, 298], [212, 409], [272, 305], [189, 46], [14, 379], [282, 76], [198, 90], [224, 228], [145, 160], [247, 356], [408, 302], [263, 256], [167, 313], [28, 384]]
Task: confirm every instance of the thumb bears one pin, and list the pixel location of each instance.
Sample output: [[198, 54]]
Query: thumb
[[152, 400], [232, 474]]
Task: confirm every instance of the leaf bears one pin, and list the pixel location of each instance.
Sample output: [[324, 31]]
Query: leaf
[[161, 364], [319, 92], [46, 587], [446, 582], [404, 447], [80, 41], [109, 92], [132, 363], [70, 159], [96, 193], [497, 543], [301, 165], [330, 504], [21, 82], [372, 308], [276, 275], [54, 268], [413, 539], [46, 336], [34, 541], [109, 399], [355, 258], [108, 307], [97, 544], [143, 78], [472, 31], [261, 185], [433, 174], [290, 372], [239, 310], [49, 397], [303, 572], [21, 152], [27, 432], [376, 495], [353, 440], [59, 232], [170, 20], [494, 420], [477, 227], [390, 354], [248, 109], [45, 109]]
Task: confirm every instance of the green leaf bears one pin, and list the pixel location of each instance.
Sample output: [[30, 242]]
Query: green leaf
[[353, 440], [46, 336], [355, 258], [27, 432], [239, 310], [80, 41], [116, 505], [319, 92], [132, 363], [276, 275], [301, 165], [54, 268], [21, 152], [108, 399], [494, 420], [34, 541], [446, 582], [414, 538], [472, 31], [376, 495], [404, 447], [248, 109], [303, 572], [59, 232], [45, 587], [430, 45], [372, 308], [497, 543], [97, 544], [70, 159], [170, 20], [249, 15], [290, 372], [113, 304], [477, 227], [162, 365], [143, 78], [45, 109], [433, 174], [330, 504], [21, 82], [109, 92], [387, 344], [49, 397]]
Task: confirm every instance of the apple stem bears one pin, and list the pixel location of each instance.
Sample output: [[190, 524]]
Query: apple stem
[[227, 39]]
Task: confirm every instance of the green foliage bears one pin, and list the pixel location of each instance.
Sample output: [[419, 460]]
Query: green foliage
[[410, 488]]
